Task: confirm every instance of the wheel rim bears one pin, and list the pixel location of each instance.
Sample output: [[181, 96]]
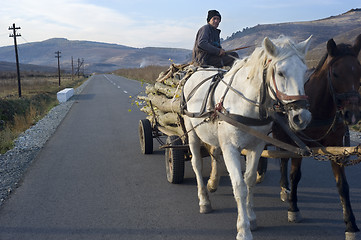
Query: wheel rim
[[169, 165], [170, 161], [142, 138]]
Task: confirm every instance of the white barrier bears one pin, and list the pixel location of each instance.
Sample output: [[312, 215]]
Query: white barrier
[[65, 94]]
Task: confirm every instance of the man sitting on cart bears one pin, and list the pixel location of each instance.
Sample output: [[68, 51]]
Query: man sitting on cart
[[207, 50]]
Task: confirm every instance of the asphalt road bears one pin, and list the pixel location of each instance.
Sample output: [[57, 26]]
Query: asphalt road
[[92, 182]]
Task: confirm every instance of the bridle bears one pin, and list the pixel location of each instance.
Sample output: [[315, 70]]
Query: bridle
[[339, 99], [297, 101], [351, 97]]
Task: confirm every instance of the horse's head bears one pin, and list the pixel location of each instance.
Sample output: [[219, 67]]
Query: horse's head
[[286, 71], [344, 74]]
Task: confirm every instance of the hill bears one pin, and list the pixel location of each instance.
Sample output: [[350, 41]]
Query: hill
[[98, 57], [11, 67], [343, 28], [104, 57]]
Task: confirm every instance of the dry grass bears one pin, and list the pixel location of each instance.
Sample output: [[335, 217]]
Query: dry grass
[[31, 85], [147, 74], [38, 97]]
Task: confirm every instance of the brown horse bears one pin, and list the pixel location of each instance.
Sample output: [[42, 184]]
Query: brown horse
[[334, 103]]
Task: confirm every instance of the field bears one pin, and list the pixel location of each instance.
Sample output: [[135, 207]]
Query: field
[[30, 84], [38, 97], [146, 74]]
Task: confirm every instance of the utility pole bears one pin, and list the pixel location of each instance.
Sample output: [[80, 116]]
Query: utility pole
[[79, 66], [82, 62], [14, 35], [58, 56], [72, 68]]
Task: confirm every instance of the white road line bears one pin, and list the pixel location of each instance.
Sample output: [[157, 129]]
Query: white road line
[[114, 83]]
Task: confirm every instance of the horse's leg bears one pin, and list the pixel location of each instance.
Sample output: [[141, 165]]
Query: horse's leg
[[232, 159], [294, 214], [197, 164], [285, 190], [261, 170], [343, 190], [250, 177], [213, 181]]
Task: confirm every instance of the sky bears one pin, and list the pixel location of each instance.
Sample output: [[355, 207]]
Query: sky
[[151, 23]]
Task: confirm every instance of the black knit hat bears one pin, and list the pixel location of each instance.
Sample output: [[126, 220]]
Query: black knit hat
[[212, 13]]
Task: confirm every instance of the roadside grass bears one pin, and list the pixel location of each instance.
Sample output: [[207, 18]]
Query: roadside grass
[[38, 97], [146, 74]]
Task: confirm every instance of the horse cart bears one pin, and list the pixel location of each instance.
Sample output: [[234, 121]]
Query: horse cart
[[259, 88], [174, 140]]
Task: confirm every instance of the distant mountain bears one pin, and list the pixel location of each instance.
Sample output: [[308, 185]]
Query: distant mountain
[[98, 57], [343, 28], [104, 57]]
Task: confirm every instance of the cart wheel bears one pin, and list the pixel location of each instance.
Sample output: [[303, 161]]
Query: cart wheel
[[145, 136], [174, 161]]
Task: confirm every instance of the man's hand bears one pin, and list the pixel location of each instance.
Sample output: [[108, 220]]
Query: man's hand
[[222, 52]]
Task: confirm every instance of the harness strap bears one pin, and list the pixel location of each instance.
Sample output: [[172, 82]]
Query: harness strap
[[250, 121], [289, 132], [263, 136], [215, 80]]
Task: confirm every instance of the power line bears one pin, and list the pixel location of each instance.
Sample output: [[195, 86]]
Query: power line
[[24, 39]]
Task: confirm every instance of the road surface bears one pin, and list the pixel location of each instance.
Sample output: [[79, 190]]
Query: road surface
[[90, 181]]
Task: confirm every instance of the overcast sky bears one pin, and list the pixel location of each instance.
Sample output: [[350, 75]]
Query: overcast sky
[[151, 23]]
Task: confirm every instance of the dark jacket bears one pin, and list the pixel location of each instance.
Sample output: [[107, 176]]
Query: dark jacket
[[207, 45]]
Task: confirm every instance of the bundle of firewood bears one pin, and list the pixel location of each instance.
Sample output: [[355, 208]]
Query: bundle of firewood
[[162, 100]]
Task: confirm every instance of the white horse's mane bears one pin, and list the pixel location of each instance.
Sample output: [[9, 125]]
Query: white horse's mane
[[285, 46]]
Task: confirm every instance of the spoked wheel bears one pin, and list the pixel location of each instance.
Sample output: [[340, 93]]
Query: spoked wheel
[[174, 161], [145, 136]]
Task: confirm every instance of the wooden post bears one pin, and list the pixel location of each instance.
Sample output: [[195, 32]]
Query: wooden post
[[58, 56], [14, 35]]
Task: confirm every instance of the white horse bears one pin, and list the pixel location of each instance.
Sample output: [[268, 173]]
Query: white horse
[[279, 67]]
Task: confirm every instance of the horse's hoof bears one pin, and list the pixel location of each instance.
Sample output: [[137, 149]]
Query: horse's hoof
[[260, 177], [205, 209], [352, 236], [294, 217], [253, 225], [285, 195], [211, 188], [244, 236]]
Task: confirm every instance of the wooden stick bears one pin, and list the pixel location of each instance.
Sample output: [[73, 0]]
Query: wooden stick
[[236, 49], [322, 151]]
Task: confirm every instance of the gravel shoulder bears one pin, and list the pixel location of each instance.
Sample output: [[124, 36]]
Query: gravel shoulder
[[14, 162]]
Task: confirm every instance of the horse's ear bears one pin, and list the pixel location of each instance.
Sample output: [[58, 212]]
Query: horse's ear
[[357, 45], [331, 47], [270, 47], [303, 46]]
